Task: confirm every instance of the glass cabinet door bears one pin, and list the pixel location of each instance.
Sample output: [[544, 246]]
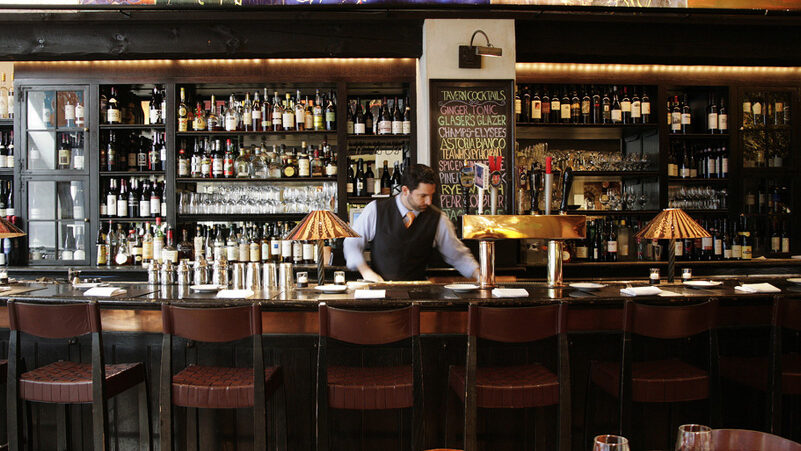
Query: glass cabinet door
[[55, 133], [57, 221]]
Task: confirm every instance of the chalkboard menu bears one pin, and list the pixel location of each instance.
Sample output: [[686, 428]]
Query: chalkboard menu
[[471, 122]]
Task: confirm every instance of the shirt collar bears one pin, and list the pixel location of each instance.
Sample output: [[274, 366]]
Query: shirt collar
[[402, 208]]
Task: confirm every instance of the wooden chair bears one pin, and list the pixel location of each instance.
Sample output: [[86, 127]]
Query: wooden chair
[[65, 382], [212, 387], [514, 387], [778, 373], [741, 439], [369, 388], [669, 380]]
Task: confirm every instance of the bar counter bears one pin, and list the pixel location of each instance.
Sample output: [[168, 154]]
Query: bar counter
[[132, 328]]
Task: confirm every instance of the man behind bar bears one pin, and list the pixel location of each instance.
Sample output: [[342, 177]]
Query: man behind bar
[[403, 230]]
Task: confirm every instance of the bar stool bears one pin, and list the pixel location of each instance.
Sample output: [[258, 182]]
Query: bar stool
[[777, 373], [669, 380], [212, 387], [513, 387], [369, 388], [66, 382]]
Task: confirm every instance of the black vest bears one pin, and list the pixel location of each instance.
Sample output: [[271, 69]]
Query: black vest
[[399, 253]]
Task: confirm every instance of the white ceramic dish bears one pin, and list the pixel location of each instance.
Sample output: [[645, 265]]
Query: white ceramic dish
[[702, 283], [462, 287], [796, 280], [206, 288], [331, 288], [586, 285]]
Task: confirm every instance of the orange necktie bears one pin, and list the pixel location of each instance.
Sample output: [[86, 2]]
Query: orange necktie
[[408, 219]]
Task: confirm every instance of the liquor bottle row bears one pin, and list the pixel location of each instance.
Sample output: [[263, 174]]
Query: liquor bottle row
[[70, 152], [135, 197], [610, 240], [768, 198], [139, 245], [7, 149], [73, 243], [574, 104], [761, 109], [132, 152], [698, 161], [125, 106], [276, 114], [208, 159], [390, 119], [363, 182], [682, 119], [6, 97]]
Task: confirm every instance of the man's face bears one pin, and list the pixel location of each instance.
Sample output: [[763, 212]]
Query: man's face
[[420, 198]]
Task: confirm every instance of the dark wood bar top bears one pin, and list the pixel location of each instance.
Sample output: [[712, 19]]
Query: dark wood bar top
[[444, 310]]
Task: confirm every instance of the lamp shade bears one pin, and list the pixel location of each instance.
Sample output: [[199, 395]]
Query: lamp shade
[[672, 223], [9, 230], [321, 225]]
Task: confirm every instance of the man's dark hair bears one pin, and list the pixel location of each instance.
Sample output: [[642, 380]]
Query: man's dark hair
[[417, 174]]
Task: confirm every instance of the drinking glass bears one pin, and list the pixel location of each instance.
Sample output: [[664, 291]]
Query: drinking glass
[[694, 437], [610, 443]]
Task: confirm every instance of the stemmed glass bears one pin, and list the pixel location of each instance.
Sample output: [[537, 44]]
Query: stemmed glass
[[610, 443], [694, 437]]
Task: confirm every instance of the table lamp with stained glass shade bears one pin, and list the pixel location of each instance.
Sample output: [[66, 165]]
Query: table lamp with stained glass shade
[[317, 226], [672, 224]]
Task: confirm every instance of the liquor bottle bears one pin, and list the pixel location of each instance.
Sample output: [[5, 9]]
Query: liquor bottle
[[331, 114], [154, 109], [212, 119], [113, 109], [617, 109], [686, 116], [575, 107], [304, 164], [294, 113], [197, 244], [386, 181], [536, 108], [183, 162], [155, 202], [216, 158], [286, 244], [636, 108], [775, 239], [611, 243], [384, 126], [4, 105], [122, 199], [133, 199], [369, 122], [712, 115], [11, 98], [684, 169], [111, 198], [69, 112], [199, 120], [64, 153], [723, 116], [545, 106], [144, 200], [11, 215], [275, 243], [290, 168], [595, 106], [645, 106], [359, 126], [606, 108], [100, 246], [675, 116], [135, 246], [147, 245], [183, 113], [170, 252], [586, 106], [228, 160], [519, 116], [360, 179], [785, 238], [231, 118], [395, 182], [625, 107], [10, 151], [407, 117], [288, 114], [158, 241], [565, 107], [370, 180], [242, 165], [218, 244]]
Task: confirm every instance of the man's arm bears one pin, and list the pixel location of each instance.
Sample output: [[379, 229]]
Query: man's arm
[[453, 251], [353, 248]]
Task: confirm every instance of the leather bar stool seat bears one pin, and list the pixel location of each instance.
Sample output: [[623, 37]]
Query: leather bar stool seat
[[370, 388], [213, 387], [71, 382], [669, 380], [511, 387], [753, 372]]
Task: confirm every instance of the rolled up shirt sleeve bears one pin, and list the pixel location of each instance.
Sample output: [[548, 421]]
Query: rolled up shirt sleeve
[[453, 251], [353, 248]]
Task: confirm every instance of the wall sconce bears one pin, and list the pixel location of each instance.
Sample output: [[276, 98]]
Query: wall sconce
[[470, 55]]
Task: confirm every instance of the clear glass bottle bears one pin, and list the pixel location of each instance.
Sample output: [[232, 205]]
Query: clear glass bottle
[[242, 165]]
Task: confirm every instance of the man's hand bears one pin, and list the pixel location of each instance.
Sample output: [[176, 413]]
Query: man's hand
[[477, 275], [368, 273]]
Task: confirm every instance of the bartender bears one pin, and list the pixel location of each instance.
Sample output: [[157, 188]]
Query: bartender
[[403, 231]]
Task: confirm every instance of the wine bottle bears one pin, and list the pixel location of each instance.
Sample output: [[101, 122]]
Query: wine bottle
[[182, 113]]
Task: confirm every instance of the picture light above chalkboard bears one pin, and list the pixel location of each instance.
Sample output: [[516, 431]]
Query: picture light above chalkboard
[[470, 55]]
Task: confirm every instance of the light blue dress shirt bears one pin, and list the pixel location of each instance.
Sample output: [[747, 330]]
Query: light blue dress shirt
[[445, 241]]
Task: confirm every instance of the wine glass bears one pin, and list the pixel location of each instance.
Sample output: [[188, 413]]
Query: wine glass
[[694, 437], [610, 443]]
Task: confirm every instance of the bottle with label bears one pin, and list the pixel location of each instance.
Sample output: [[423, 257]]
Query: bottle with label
[[361, 179], [407, 117], [113, 115], [370, 180], [183, 112], [625, 107], [616, 109], [712, 115], [359, 125], [228, 160], [686, 116], [158, 242], [183, 163], [100, 246], [64, 153], [606, 108], [723, 116], [304, 164]]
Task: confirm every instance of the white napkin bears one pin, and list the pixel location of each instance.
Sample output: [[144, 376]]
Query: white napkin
[[235, 294], [370, 294], [509, 292], [640, 291], [667, 294], [757, 288], [105, 291]]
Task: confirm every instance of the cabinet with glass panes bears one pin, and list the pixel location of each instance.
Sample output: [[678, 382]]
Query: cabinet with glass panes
[[54, 173]]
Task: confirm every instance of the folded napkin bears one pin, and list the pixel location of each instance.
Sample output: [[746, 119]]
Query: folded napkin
[[667, 294], [370, 294], [105, 291], [757, 288], [640, 291], [509, 292], [235, 294]]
